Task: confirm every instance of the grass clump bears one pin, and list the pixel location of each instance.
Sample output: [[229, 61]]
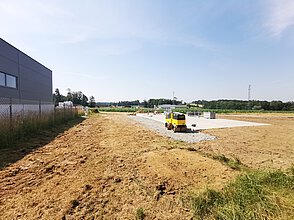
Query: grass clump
[[233, 163], [94, 110], [221, 158], [140, 214], [253, 195]]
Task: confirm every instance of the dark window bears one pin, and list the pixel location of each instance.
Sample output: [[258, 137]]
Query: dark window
[[8, 80], [179, 117], [2, 79]]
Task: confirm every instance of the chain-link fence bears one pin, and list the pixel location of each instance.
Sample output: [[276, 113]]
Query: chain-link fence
[[11, 106], [21, 118]]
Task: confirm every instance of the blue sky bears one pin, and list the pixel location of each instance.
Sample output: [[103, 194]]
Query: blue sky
[[140, 49]]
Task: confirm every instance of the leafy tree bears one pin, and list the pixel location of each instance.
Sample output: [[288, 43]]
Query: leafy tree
[[145, 104], [129, 103], [69, 96], [242, 105], [57, 97], [78, 98], [276, 105], [92, 102], [84, 100]]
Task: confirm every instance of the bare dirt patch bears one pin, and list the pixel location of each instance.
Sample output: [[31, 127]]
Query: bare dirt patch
[[106, 168], [269, 146], [186, 168]]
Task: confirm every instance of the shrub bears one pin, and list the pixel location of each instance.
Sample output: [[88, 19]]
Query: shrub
[[140, 214]]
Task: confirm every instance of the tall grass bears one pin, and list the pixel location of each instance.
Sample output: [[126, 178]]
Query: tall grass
[[24, 125], [253, 195]]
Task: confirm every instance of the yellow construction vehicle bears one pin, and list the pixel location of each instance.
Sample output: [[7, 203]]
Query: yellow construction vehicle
[[175, 121]]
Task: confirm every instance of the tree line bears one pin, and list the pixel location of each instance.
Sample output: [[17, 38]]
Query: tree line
[[215, 104], [146, 103], [246, 105], [77, 98], [155, 102]]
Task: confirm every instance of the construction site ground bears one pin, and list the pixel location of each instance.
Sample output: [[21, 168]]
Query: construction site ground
[[107, 167], [202, 123]]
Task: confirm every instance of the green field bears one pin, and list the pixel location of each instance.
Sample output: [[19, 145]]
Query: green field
[[185, 110]]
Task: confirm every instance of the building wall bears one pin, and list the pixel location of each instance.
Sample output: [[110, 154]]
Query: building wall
[[34, 81]]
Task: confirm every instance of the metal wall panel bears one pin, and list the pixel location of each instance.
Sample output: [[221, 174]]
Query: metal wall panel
[[34, 79], [9, 51], [8, 66]]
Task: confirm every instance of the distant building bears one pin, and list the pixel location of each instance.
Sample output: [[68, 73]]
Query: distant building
[[195, 105], [169, 107], [24, 82], [209, 115], [66, 104], [166, 107]]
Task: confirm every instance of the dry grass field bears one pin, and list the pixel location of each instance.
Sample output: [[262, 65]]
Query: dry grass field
[[269, 146], [108, 167]]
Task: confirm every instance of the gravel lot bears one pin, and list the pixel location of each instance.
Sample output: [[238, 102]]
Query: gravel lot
[[190, 136], [203, 123]]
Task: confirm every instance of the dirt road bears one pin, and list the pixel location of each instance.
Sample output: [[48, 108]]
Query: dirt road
[[107, 168]]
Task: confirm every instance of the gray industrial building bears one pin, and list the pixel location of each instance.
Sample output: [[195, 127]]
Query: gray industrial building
[[23, 80]]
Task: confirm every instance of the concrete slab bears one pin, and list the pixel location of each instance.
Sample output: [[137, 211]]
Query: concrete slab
[[203, 124]]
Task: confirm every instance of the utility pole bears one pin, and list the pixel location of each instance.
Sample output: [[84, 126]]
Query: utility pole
[[249, 96], [249, 92], [173, 97]]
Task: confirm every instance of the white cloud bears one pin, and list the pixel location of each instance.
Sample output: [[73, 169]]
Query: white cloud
[[279, 16]]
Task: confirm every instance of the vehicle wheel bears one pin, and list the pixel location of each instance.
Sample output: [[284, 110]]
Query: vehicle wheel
[[175, 129]]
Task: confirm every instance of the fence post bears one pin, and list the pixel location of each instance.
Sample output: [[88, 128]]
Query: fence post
[[40, 109], [63, 118], [10, 113], [54, 115]]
